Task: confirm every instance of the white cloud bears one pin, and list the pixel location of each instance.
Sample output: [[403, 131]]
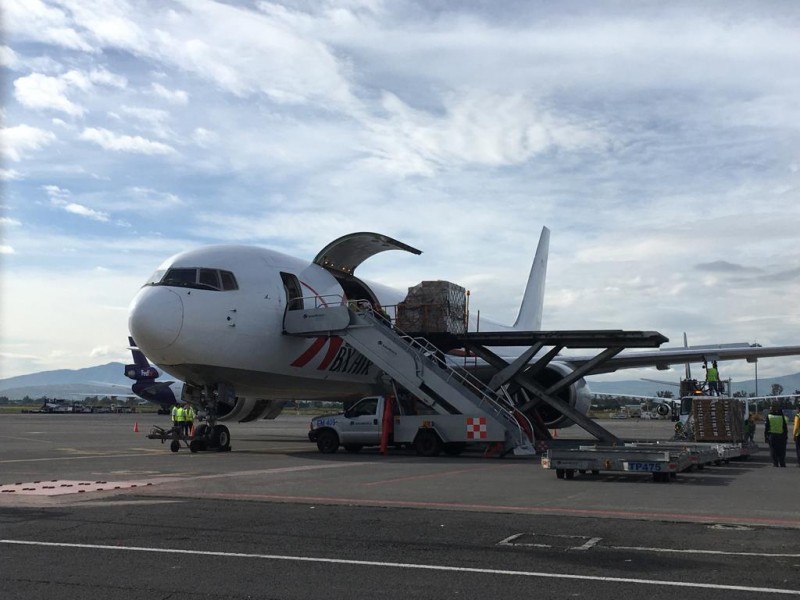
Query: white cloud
[[22, 140], [5, 249], [60, 198], [9, 222], [9, 58], [124, 143], [179, 97], [36, 20], [44, 92]]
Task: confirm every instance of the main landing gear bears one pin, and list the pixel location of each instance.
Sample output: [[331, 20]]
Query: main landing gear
[[211, 437]]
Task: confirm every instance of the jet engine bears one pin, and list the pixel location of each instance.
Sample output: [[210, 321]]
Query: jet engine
[[576, 395]]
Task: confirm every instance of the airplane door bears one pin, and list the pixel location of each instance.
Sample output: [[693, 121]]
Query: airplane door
[[364, 422]]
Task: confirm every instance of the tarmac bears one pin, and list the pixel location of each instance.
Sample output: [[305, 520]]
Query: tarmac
[[91, 509]]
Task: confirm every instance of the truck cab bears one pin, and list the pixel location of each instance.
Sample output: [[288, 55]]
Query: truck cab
[[358, 426]]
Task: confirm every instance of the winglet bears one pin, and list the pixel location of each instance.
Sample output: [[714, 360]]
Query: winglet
[[530, 311]]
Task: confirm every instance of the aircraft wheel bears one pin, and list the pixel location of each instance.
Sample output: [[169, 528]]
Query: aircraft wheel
[[196, 446], [220, 438], [569, 473], [328, 441], [201, 431], [175, 445], [427, 444], [560, 473]]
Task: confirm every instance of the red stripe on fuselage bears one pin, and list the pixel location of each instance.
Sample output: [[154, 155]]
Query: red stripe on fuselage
[[336, 343], [313, 349]]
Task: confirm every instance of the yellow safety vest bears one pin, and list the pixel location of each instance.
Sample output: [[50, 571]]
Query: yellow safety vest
[[712, 374], [777, 424], [180, 414]]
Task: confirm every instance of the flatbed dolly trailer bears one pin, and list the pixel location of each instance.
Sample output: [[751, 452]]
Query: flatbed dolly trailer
[[705, 453], [203, 437], [661, 463], [173, 435]]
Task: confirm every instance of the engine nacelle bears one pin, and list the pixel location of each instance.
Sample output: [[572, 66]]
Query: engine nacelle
[[230, 407], [576, 395], [663, 409]]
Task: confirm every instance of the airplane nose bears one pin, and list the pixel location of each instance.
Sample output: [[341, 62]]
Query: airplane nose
[[155, 318]]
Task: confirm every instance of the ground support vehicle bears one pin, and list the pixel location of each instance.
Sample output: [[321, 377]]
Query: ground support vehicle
[[202, 437], [366, 423], [661, 463]]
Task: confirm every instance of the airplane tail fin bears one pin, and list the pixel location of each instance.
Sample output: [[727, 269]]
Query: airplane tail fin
[[139, 359], [530, 311]]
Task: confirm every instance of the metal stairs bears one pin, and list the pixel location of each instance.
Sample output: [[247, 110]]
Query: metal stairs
[[415, 364]]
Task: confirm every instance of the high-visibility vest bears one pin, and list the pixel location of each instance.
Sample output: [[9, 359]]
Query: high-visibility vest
[[712, 374], [175, 412], [776, 424], [796, 432], [180, 414], [188, 414]]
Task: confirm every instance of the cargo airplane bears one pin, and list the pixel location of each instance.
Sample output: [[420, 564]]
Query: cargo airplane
[[213, 317]]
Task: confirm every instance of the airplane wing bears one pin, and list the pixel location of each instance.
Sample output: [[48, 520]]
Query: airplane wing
[[664, 359]]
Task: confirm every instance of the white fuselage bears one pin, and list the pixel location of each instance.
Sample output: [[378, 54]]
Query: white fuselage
[[235, 336]]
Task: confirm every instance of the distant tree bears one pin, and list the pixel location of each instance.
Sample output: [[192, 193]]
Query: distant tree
[[777, 389], [4, 400], [665, 394]]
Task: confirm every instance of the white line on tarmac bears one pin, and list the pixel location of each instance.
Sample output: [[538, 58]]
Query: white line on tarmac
[[370, 563], [24, 460], [693, 551]]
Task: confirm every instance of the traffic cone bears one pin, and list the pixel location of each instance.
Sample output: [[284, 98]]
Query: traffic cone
[[191, 430], [136, 427]]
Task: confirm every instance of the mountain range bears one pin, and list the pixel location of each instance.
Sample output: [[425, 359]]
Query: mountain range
[[109, 379]]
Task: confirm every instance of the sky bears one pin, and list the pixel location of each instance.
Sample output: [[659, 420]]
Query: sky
[[659, 142]]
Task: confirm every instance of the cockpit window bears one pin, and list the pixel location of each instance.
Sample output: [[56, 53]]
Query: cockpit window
[[202, 279]]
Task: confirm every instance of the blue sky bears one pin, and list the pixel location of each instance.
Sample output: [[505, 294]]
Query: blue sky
[[659, 141]]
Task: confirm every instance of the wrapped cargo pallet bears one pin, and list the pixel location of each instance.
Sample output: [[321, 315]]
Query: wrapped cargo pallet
[[718, 419], [433, 307]]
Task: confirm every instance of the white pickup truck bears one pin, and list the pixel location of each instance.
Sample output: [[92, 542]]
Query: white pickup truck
[[429, 434]]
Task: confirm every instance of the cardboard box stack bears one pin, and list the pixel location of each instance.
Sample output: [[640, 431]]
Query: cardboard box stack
[[718, 419], [433, 307]]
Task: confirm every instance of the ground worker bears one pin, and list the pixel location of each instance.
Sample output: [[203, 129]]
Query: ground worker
[[712, 377], [776, 432], [174, 414], [188, 419], [796, 434], [750, 427], [180, 415]]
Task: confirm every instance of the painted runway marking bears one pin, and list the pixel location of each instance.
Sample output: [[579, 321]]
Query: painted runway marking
[[26, 460], [514, 540], [414, 566], [718, 552]]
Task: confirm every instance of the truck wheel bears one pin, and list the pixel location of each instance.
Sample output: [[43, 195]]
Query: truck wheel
[[327, 441], [175, 445], [427, 444], [353, 448], [454, 448]]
